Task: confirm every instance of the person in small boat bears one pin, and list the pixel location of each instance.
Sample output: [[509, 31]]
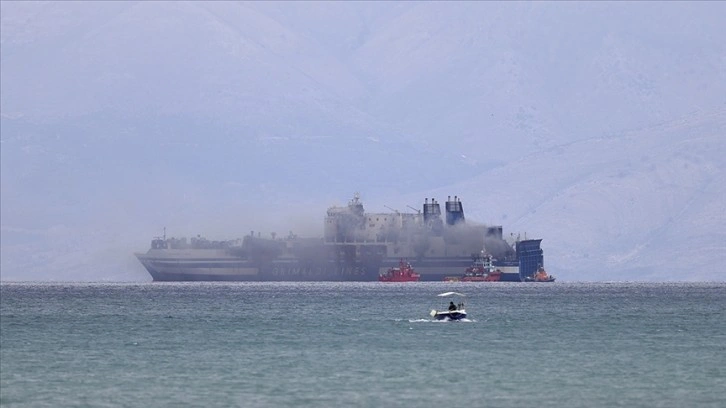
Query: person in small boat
[[452, 306]]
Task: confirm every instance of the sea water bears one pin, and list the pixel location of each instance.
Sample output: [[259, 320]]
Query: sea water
[[362, 345]]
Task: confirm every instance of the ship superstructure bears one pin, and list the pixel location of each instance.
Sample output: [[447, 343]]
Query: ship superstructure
[[356, 246]]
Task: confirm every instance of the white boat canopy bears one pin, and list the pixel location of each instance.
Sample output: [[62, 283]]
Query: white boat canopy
[[446, 294]]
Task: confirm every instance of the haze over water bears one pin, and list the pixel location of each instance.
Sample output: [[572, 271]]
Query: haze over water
[[362, 344], [596, 126]]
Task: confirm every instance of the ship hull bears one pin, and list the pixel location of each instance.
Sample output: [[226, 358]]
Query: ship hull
[[165, 268], [239, 271]]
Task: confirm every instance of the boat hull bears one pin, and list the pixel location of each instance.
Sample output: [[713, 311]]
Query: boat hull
[[164, 267], [450, 315], [550, 279], [226, 269], [385, 279]]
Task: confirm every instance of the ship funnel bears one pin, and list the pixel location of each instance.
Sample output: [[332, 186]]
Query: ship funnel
[[454, 211], [431, 210], [432, 216]]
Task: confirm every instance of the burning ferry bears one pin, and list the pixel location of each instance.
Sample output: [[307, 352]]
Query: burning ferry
[[356, 246]]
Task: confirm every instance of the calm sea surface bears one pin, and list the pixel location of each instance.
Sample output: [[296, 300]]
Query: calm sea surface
[[362, 345]]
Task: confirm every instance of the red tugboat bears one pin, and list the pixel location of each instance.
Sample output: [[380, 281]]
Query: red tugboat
[[482, 270], [403, 273], [540, 276]]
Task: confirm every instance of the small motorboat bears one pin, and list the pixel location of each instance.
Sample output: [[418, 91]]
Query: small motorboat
[[452, 311]]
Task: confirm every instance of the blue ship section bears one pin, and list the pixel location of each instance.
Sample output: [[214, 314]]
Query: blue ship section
[[530, 257], [454, 211]]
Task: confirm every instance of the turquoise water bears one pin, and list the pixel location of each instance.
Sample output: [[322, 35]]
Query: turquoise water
[[362, 345]]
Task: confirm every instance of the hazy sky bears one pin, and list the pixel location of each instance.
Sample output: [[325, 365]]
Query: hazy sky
[[596, 126]]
